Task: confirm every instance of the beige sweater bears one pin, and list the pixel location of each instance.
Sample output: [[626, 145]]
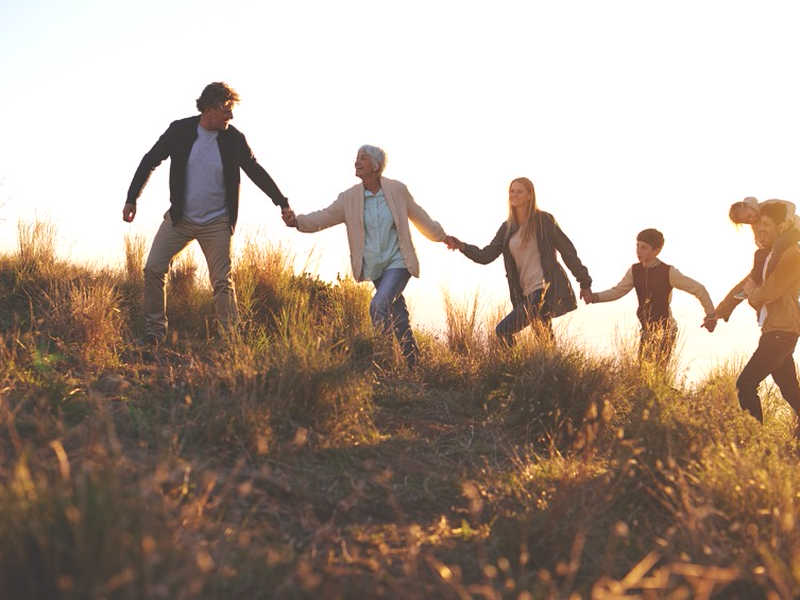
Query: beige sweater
[[348, 208]]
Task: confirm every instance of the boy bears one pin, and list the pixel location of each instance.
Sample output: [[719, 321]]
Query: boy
[[772, 289], [653, 281]]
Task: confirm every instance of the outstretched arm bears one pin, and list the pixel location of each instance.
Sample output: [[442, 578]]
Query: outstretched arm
[[260, 177], [488, 253], [624, 286], [422, 221], [568, 253], [731, 300], [321, 219], [741, 289], [695, 288]]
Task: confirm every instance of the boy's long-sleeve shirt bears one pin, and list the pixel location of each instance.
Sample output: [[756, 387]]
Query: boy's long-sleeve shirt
[[676, 279]]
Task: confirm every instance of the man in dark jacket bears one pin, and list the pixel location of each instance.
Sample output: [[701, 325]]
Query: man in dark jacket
[[205, 155]]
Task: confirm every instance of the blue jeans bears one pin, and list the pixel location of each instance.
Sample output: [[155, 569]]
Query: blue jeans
[[388, 310], [529, 312]]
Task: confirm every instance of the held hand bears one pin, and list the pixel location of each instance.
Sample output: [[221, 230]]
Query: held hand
[[710, 323], [288, 216], [453, 243], [587, 296], [128, 212]]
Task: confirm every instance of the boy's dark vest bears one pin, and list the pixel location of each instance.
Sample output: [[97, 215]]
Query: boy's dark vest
[[653, 290]]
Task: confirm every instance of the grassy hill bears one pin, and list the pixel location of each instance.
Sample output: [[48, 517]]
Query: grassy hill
[[299, 459]]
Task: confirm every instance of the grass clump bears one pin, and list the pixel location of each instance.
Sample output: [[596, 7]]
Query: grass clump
[[295, 456]]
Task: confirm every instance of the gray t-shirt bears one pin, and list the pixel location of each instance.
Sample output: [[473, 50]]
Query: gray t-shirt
[[205, 186]]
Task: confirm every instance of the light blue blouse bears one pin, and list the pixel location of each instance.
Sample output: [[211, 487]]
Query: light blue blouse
[[381, 246]]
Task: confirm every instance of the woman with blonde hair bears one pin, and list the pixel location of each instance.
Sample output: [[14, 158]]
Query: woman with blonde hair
[[528, 241]]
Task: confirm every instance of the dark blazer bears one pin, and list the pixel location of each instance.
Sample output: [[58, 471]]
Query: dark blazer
[[559, 297], [176, 143]]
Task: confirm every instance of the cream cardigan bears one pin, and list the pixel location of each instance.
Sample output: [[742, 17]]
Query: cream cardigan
[[349, 209]]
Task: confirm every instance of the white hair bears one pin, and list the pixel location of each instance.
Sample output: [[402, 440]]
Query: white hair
[[377, 155]]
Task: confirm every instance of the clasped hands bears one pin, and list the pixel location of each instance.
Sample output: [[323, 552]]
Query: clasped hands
[[288, 216], [453, 243], [709, 322]]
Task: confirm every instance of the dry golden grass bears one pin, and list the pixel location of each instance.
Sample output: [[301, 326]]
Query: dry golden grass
[[134, 258], [297, 457], [36, 244]]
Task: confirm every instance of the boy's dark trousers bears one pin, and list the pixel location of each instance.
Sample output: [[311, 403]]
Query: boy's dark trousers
[[772, 357]]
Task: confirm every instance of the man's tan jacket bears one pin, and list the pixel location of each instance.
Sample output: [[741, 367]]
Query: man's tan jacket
[[348, 208], [778, 292]]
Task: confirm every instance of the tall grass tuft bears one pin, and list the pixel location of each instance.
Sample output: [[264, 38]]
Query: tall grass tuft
[[86, 316], [349, 309], [463, 333], [263, 279], [36, 244], [183, 274], [134, 258], [190, 302]]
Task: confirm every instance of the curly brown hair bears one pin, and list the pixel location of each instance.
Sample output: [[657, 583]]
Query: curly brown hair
[[216, 94]]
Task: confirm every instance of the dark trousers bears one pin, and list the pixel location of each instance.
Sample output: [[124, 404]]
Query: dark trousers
[[528, 312], [657, 341], [772, 357]]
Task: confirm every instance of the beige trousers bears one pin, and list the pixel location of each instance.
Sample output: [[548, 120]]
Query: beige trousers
[[215, 241]]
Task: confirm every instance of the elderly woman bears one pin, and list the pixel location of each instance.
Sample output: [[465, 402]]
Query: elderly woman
[[528, 241], [376, 213]]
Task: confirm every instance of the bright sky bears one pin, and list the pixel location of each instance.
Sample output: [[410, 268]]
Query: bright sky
[[625, 114]]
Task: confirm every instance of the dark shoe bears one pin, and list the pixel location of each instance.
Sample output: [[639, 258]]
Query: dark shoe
[[151, 341], [149, 346]]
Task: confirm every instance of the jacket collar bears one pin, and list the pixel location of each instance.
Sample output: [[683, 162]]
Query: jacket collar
[[390, 201]]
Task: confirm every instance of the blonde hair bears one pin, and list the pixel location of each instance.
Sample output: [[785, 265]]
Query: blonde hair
[[527, 226]]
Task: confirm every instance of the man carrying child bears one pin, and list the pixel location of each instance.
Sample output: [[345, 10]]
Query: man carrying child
[[771, 289]]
